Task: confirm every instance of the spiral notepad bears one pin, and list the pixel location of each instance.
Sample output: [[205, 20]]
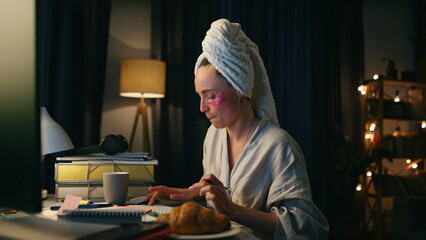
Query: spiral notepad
[[107, 216]]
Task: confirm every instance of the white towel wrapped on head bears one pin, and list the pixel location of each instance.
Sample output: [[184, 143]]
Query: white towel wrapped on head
[[237, 58]]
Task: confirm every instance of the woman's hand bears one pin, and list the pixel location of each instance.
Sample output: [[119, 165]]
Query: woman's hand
[[214, 191], [175, 194]]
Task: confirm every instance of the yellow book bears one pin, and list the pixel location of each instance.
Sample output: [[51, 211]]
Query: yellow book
[[83, 172]]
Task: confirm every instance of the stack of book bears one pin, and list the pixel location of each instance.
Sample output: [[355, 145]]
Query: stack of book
[[82, 175]]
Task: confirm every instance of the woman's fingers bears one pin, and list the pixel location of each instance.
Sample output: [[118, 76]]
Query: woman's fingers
[[177, 194], [156, 192], [218, 196], [206, 180], [198, 185], [153, 197], [211, 179]]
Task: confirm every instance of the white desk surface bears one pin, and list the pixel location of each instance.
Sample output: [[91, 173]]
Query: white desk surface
[[245, 233]]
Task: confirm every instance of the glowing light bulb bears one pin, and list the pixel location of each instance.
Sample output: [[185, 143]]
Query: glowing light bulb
[[397, 132], [414, 166], [362, 89], [372, 127], [376, 76], [423, 124], [396, 99], [407, 161], [358, 187], [368, 136], [369, 174]]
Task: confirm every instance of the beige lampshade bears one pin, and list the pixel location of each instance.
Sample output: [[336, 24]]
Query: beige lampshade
[[142, 78]]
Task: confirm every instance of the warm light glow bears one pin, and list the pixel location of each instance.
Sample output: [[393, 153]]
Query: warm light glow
[[369, 174], [368, 136], [397, 132], [423, 124], [359, 187], [376, 76], [372, 127], [142, 78], [414, 166], [362, 89], [396, 99], [407, 161]]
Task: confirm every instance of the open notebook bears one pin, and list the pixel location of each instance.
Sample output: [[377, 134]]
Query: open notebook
[[160, 209], [155, 211], [116, 215]]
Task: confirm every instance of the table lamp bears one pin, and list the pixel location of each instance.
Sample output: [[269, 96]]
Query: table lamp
[[142, 78], [53, 138]]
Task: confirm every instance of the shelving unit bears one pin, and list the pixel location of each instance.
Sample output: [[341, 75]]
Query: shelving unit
[[381, 109]]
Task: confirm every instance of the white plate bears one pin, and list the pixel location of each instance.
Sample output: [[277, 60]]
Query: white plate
[[235, 229]]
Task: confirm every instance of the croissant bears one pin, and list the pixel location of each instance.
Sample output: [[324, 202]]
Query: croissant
[[192, 218]]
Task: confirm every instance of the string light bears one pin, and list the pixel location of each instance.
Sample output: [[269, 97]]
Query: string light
[[358, 187], [414, 166], [362, 89], [407, 161], [423, 124], [372, 127], [369, 174], [376, 76], [396, 99], [397, 132], [368, 136]]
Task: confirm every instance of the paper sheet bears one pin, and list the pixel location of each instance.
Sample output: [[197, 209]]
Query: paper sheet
[[71, 202]]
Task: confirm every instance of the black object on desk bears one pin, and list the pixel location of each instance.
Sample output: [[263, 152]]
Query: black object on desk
[[85, 206], [32, 227], [136, 231]]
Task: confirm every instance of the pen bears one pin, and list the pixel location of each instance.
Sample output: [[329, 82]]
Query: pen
[[86, 206], [210, 182]]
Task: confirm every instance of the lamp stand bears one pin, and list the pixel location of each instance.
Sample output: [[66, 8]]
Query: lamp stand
[[141, 112]]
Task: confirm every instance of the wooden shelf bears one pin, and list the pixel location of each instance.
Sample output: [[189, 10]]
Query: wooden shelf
[[405, 83], [389, 185], [403, 120], [399, 83]]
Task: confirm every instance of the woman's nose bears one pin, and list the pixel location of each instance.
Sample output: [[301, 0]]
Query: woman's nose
[[203, 106]]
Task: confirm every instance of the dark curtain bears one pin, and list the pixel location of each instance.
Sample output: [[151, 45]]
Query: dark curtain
[[313, 52], [72, 45]]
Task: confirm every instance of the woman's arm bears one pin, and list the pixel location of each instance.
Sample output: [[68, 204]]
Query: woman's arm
[[262, 222], [176, 194]]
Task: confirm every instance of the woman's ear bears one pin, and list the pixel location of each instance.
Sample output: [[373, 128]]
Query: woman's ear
[[240, 95]]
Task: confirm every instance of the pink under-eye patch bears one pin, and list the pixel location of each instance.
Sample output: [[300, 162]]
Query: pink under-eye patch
[[220, 98]]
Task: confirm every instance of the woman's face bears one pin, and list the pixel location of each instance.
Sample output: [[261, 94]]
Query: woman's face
[[218, 100]]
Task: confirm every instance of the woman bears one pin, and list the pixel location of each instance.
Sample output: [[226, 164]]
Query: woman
[[254, 171]]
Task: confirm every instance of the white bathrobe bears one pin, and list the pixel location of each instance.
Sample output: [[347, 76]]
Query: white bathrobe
[[269, 176]]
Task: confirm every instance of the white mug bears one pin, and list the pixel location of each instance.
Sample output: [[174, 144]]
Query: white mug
[[116, 185]]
